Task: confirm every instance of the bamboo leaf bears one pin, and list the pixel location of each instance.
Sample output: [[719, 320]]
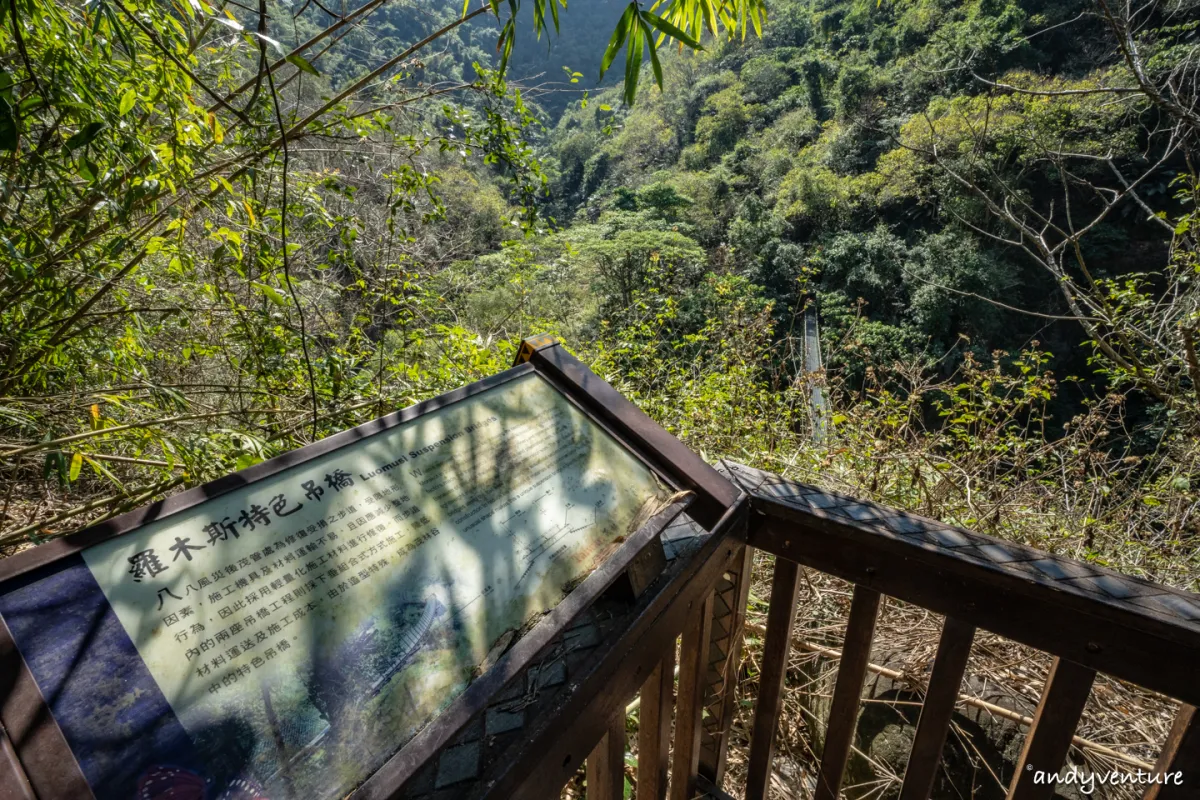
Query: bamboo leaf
[[633, 63], [127, 102], [85, 135], [672, 31], [301, 63], [658, 75], [618, 38]]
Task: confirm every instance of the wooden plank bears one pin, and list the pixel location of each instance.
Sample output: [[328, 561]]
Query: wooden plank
[[654, 730], [714, 494], [1178, 765], [1129, 628], [1049, 740], [843, 712], [948, 668], [14, 784], [693, 663], [553, 745], [606, 764], [724, 658], [45, 757], [781, 616]]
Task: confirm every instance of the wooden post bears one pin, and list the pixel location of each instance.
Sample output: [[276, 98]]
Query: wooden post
[[781, 616], [948, 668], [693, 664], [847, 692], [1180, 754], [606, 764], [1049, 740], [731, 594], [654, 730]]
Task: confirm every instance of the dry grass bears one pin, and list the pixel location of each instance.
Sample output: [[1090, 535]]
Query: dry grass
[[1124, 718]]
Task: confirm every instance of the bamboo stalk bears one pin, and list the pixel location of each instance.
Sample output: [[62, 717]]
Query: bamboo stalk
[[20, 533], [145, 462], [50, 445]]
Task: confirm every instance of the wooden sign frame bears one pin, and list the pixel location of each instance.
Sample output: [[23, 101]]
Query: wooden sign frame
[[35, 759]]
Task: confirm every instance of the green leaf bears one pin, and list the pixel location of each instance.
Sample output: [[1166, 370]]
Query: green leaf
[[504, 44], [633, 63], [85, 135], [127, 102], [618, 38], [272, 293], [99, 469], [245, 461], [658, 75], [301, 63], [76, 465], [674, 32]]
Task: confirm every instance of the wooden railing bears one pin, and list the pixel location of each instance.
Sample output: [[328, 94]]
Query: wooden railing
[[1088, 618]]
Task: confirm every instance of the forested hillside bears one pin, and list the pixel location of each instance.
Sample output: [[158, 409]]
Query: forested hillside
[[987, 204]]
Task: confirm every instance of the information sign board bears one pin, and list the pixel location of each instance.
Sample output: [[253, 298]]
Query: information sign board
[[285, 638]]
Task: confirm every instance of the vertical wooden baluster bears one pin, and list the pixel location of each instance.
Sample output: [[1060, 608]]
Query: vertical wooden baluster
[[948, 668], [729, 619], [847, 692], [781, 616], [1049, 739], [693, 664], [606, 764], [1181, 754], [654, 730]]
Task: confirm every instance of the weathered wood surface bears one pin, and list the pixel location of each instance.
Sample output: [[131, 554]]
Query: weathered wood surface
[[693, 668], [1049, 740], [847, 692], [47, 766], [606, 764], [1180, 754], [654, 730], [724, 652], [937, 709], [777, 647], [1130, 628]]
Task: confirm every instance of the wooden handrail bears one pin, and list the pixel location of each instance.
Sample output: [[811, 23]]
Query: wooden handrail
[[1090, 618], [1129, 628]]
